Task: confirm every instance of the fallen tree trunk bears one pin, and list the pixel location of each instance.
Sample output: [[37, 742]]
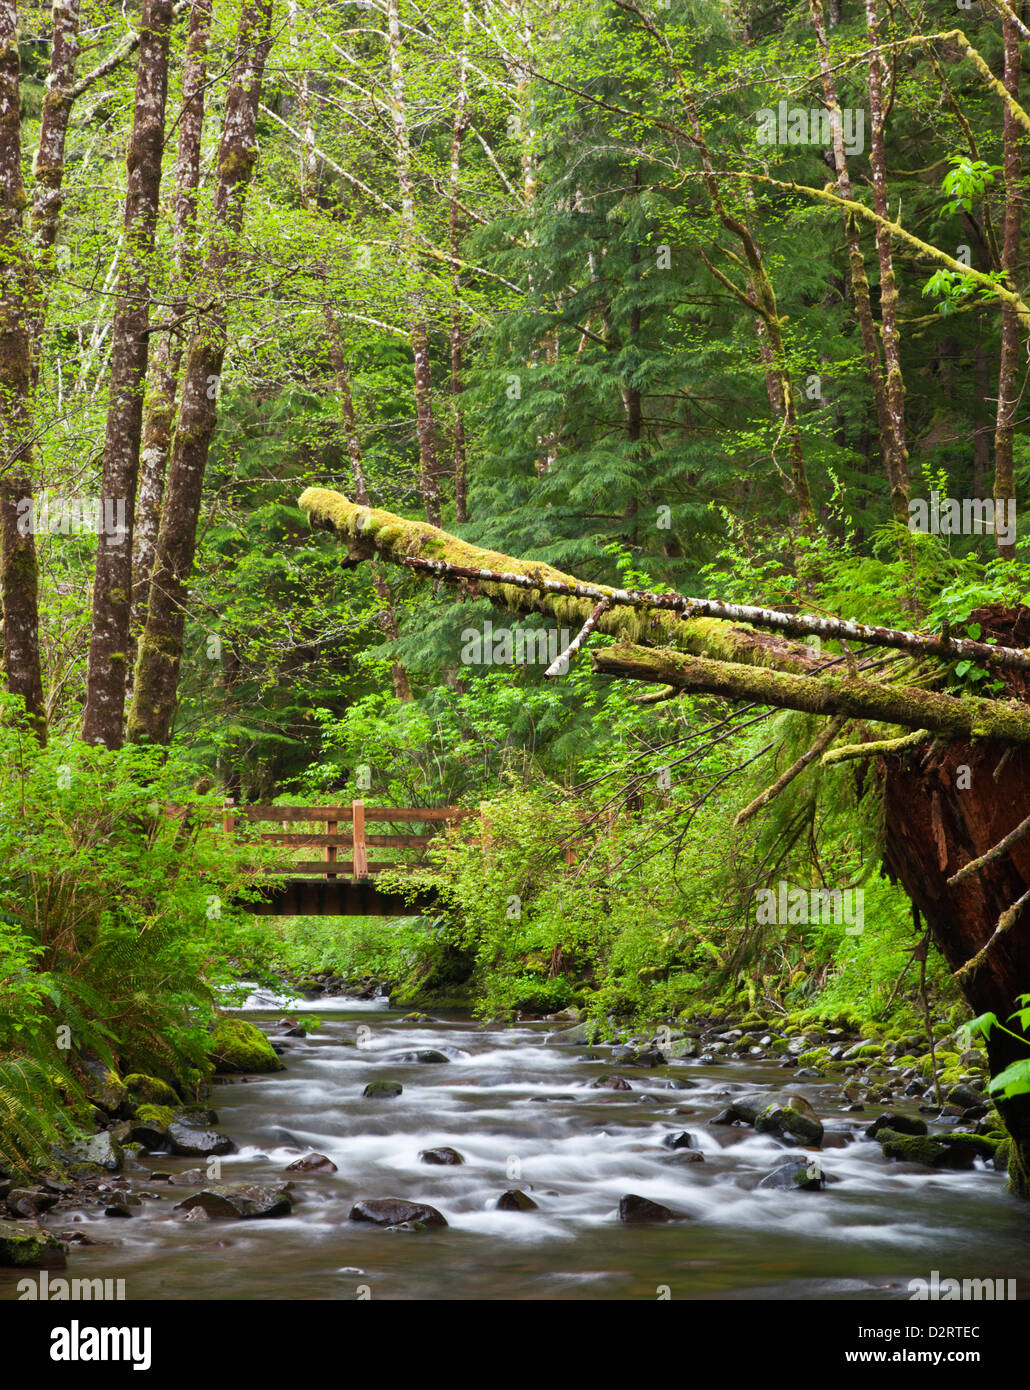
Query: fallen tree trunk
[[948, 800]]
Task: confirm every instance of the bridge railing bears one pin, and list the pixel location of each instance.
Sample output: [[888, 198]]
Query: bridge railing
[[356, 838]]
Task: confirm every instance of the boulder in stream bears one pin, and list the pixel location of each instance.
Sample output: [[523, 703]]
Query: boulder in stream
[[394, 1211], [611, 1083], [514, 1200], [96, 1151], [900, 1124], [636, 1211], [240, 1201], [198, 1143], [678, 1139], [382, 1090], [24, 1245], [444, 1157], [425, 1055], [799, 1175], [312, 1163], [238, 1046]]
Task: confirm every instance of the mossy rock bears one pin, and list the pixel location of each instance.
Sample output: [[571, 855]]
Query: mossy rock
[[239, 1046], [155, 1114], [956, 1150], [149, 1090], [109, 1093], [24, 1245]]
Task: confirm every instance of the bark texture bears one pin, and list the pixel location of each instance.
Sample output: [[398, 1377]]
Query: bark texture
[[161, 645], [112, 587]]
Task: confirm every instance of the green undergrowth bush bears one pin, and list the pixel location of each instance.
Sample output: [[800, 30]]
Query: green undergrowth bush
[[119, 921]]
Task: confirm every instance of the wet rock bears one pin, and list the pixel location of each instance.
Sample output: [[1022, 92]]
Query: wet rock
[[382, 1090], [679, 1049], [964, 1097], [514, 1200], [425, 1055], [797, 1175], [794, 1121], [312, 1163], [582, 1034], [808, 1074], [236, 1046], [443, 1157], [96, 1151], [394, 1211], [956, 1150], [684, 1156], [24, 1245], [198, 1143], [196, 1214], [29, 1201], [198, 1116], [636, 1211], [900, 1124], [611, 1083], [105, 1090], [679, 1139], [241, 1201], [189, 1177], [124, 1205]]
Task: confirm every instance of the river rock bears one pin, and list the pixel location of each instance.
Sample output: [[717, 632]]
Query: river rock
[[797, 1175], [238, 1046], [957, 1150], [106, 1090], [123, 1205], [394, 1211], [444, 1157], [964, 1096], [242, 1201], [149, 1090], [679, 1139], [611, 1083], [514, 1200], [382, 1090], [198, 1143], [29, 1201], [900, 1124], [312, 1163], [425, 1055], [23, 1245], [635, 1211], [96, 1151]]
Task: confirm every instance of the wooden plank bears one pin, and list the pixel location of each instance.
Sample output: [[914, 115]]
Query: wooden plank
[[339, 867], [398, 814], [321, 841], [360, 853]]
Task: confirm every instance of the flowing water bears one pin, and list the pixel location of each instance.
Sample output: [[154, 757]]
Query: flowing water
[[522, 1111]]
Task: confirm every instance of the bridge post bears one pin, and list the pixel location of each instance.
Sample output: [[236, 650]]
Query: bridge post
[[360, 854], [330, 850]]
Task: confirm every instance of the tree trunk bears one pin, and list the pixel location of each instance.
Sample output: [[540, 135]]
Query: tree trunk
[[897, 449], [425, 425], [112, 587], [167, 357], [1008, 364], [454, 234], [161, 645], [19, 574], [947, 805]]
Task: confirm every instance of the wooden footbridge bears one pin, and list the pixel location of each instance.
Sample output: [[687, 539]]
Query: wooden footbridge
[[340, 880]]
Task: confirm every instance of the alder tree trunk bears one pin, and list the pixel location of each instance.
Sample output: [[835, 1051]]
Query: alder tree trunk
[[19, 571], [112, 586], [1008, 365], [161, 644], [167, 356]]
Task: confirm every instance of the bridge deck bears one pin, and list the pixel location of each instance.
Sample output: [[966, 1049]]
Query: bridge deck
[[329, 886]]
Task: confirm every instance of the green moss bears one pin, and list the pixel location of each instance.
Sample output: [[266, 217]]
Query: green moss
[[162, 1115], [149, 1090], [25, 1246], [239, 1046]]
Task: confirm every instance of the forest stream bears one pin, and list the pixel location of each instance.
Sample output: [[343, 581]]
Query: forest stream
[[524, 1113]]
